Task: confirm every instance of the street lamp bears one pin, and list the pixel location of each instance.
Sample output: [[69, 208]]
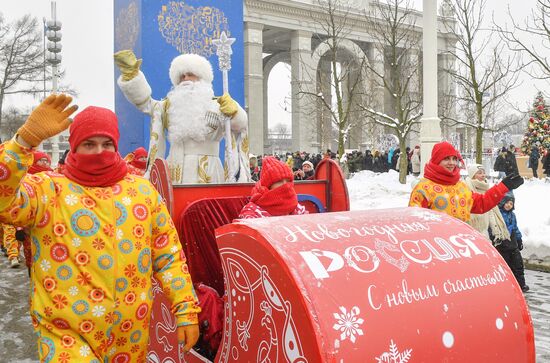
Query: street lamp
[[53, 57], [53, 33]]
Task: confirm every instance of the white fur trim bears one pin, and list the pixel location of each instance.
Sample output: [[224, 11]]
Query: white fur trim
[[193, 63], [136, 90]]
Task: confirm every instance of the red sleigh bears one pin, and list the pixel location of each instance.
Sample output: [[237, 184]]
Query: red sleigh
[[392, 286]]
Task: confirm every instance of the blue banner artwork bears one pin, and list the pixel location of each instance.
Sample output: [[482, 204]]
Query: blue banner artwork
[[158, 31]]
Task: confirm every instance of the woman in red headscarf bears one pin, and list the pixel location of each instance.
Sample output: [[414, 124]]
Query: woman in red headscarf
[[441, 188], [273, 194], [137, 161]]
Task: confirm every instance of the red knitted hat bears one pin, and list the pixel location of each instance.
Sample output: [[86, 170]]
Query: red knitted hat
[[442, 150], [93, 121], [140, 152], [37, 155], [274, 170]]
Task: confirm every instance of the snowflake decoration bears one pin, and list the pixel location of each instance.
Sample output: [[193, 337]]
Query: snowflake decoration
[[76, 242], [73, 290], [45, 265], [126, 201], [71, 199], [348, 323], [394, 356], [167, 277], [85, 351], [98, 311]]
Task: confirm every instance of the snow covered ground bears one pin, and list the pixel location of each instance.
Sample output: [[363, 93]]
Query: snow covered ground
[[369, 190]]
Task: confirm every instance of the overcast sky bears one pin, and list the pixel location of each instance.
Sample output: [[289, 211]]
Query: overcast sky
[[88, 48]]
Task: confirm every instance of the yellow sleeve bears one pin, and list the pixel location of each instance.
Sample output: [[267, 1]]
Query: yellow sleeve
[[19, 200], [418, 197], [170, 266]]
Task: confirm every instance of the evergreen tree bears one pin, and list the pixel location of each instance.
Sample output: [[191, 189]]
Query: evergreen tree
[[538, 127]]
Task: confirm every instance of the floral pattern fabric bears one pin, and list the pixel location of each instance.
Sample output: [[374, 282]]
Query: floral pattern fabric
[[94, 252], [456, 200]]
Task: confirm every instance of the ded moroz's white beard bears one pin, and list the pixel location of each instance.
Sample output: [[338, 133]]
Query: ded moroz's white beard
[[189, 102]]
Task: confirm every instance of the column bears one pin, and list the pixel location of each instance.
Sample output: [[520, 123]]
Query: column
[[254, 86], [303, 106], [324, 128], [430, 130]]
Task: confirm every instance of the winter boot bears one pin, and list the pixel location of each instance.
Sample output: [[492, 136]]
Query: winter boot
[[14, 262], [525, 288]]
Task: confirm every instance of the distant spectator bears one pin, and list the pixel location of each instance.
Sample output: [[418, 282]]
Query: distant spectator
[[367, 161], [546, 163], [534, 160], [254, 168], [306, 173], [415, 161]]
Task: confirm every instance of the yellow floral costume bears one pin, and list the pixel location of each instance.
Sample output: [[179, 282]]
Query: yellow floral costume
[[94, 252], [456, 200], [10, 242]]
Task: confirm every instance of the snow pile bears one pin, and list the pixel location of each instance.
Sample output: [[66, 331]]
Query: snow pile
[[533, 212], [368, 190]]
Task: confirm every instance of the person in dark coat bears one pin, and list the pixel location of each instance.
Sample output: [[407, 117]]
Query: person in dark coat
[[367, 161], [546, 163], [510, 249], [506, 163], [534, 160]]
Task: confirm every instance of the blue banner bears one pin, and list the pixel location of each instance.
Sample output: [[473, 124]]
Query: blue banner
[[158, 31]]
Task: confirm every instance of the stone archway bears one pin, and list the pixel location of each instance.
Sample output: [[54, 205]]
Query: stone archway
[[350, 54], [268, 64]]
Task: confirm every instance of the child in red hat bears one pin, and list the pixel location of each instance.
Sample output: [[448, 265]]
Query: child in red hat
[[441, 188], [137, 161], [273, 194]]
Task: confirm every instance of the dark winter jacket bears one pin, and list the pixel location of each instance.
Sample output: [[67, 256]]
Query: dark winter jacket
[[534, 158], [510, 219], [506, 162]]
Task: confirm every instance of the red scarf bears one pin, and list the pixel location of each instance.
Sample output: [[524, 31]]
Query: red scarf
[[138, 164], [280, 201], [38, 168], [440, 175], [95, 170]]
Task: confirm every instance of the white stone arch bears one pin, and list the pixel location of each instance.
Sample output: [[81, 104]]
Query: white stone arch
[[356, 54], [351, 47], [269, 63]]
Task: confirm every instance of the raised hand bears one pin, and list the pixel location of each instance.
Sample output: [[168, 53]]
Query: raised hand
[[512, 181], [128, 64], [48, 119], [228, 106]]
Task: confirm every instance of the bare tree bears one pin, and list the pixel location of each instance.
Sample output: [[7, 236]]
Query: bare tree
[[22, 67], [532, 39], [344, 76], [280, 131], [13, 118], [396, 46], [484, 74], [21, 57]]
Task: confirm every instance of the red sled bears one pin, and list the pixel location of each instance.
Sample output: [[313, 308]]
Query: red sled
[[392, 286]]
